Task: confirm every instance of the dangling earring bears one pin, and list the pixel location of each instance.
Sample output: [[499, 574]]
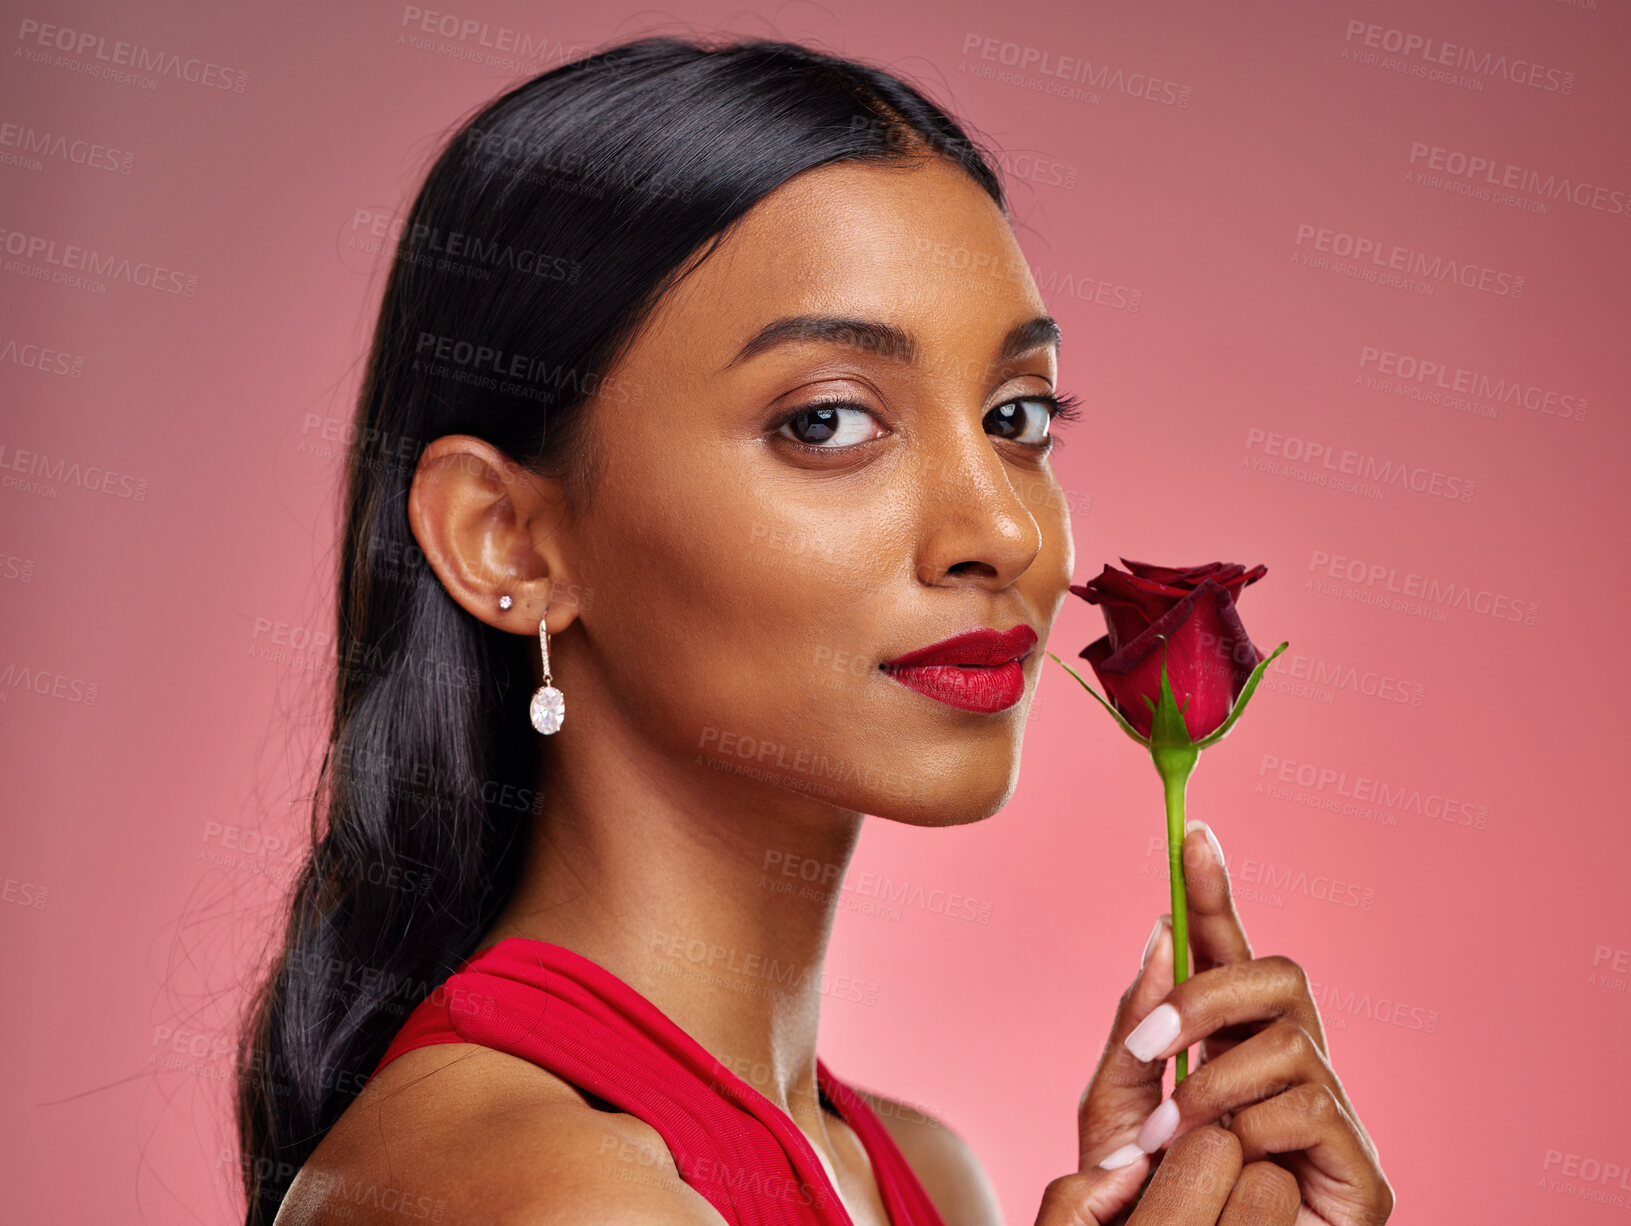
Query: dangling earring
[[548, 704]]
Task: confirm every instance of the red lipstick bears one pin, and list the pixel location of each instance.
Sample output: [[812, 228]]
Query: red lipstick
[[976, 671]]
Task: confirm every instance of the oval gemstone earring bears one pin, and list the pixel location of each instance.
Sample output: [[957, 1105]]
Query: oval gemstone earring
[[548, 704]]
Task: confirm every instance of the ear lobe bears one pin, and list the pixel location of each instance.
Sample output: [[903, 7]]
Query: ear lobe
[[490, 528]]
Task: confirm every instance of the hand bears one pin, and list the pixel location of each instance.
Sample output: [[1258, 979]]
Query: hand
[[1262, 1072], [1199, 1179], [1200, 1182]]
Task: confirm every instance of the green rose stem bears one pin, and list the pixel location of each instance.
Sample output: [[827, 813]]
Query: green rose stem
[[1174, 764], [1175, 756]]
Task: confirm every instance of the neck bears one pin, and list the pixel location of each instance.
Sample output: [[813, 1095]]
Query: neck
[[710, 893]]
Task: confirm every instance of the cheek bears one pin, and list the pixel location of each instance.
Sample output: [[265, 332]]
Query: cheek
[[734, 610], [739, 618]]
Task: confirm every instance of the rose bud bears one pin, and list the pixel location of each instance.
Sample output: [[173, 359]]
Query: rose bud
[[1209, 656]]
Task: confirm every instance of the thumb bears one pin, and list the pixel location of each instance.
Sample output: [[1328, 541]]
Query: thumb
[[1092, 1197], [1124, 1089]]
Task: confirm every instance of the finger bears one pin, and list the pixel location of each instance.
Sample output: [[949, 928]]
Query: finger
[[1216, 934], [1337, 1169], [1123, 1089], [1193, 1183], [1264, 1195], [1270, 1062], [1091, 1197], [1262, 990]]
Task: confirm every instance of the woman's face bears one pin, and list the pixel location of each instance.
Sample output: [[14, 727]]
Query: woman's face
[[773, 523]]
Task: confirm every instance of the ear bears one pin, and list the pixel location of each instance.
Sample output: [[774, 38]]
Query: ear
[[490, 528]]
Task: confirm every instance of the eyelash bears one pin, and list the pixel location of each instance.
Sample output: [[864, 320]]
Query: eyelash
[[1062, 406]]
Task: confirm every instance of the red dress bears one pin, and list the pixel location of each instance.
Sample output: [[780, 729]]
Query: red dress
[[554, 1007]]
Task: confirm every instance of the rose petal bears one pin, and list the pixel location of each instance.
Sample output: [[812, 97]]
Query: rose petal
[[1115, 686], [1205, 662], [1130, 604], [1210, 657], [1188, 577]]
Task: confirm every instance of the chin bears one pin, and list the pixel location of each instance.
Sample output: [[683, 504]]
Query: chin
[[953, 795]]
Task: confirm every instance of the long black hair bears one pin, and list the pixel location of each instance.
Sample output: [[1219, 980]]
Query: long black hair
[[544, 232]]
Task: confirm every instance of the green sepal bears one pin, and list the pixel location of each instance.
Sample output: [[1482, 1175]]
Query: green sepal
[[1174, 753], [1240, 703], [1120, 718], [1167, 730]]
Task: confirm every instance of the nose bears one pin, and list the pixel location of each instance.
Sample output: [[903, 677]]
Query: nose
[[976, 530]]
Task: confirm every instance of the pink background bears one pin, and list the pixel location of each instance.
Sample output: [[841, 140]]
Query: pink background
[[1466, 966]]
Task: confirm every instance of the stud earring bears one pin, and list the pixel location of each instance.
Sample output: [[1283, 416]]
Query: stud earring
[[505, 602], [548, 704]]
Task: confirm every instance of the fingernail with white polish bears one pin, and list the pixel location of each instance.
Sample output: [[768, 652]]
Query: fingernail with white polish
[[1158, 1129], [1211, 839], [1217, 849], [1155, 1033], [1125, 1156], [1155, 935]]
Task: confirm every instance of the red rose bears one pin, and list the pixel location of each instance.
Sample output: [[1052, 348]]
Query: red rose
[[1209, 655]]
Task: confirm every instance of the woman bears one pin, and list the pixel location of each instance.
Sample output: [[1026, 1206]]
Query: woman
[[710, 388]]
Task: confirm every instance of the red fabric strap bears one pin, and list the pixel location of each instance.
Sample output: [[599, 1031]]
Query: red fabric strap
[[557, 1009]]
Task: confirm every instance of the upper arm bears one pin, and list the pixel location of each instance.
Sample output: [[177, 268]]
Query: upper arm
[[481, 1142], [942, 1161], [557, 1177]]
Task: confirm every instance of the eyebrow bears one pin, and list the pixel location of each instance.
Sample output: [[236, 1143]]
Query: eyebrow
[[886, 340]]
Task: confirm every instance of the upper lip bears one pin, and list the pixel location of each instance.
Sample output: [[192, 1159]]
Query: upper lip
[[980, 646]]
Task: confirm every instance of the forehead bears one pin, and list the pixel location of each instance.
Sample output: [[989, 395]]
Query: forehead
[[923, 247]]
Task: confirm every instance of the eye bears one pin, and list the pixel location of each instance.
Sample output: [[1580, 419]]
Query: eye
[[831, 426], [1027, 420]]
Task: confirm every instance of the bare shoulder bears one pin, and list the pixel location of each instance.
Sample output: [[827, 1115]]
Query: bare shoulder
[[458, 1133], [942, 1162]]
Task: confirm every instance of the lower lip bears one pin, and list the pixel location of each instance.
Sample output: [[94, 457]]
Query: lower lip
[[981, 688]]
